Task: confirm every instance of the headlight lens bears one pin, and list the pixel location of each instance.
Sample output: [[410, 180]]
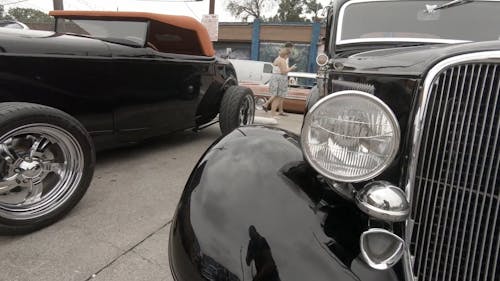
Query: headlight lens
[[350, 136]]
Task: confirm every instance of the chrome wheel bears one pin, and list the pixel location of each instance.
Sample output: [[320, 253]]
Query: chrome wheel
[[247, 111], [41, 165], [259, 103]]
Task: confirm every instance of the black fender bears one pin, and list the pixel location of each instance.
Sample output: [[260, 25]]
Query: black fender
[[208, 108], [252, 210]]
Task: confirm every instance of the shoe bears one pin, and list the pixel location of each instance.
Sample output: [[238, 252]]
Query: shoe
[[282, 114]]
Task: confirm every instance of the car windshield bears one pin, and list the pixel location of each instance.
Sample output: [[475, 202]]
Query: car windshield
[[418, 21], [122, 32]]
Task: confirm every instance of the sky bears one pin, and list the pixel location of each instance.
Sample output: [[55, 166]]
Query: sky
[[193, 9]]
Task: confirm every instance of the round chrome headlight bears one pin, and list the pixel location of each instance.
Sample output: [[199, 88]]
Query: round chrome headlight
[[350, 136]]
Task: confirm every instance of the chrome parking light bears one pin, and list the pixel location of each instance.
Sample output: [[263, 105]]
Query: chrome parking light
[[382, 200], [380, 248]]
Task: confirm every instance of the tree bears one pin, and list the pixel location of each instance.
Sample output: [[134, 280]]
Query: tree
[[3, 16], [313, 7], [249, 8], [28, 15], [290, 11]]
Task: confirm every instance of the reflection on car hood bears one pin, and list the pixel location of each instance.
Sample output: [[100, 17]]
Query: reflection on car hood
[[409, 61], [37, 42]]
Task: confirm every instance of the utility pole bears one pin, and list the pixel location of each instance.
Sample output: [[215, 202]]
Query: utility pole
[[211, 10], [58, 5]]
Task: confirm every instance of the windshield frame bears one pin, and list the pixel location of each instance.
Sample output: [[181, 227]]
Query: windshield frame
[[342, 42]]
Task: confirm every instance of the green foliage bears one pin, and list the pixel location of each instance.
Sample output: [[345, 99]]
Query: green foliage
[[27, 15], [245, 9], [4, 16], [290, 11], [313, 7]]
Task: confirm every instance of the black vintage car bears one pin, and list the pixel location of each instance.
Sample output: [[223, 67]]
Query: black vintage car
[[101, 79], [396, 173]]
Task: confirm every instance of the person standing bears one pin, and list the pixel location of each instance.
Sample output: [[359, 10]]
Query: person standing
[[278, 85], [287, 45]]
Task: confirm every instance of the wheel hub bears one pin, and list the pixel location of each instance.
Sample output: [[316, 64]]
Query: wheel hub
[[30, 169]]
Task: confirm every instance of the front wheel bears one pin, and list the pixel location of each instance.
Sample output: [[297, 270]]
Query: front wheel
[[46, 165], [237, 109]]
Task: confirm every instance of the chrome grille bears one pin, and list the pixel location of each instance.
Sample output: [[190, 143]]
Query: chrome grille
[[456, 182]]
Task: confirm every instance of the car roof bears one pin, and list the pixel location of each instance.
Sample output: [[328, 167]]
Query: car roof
[[178, 21]]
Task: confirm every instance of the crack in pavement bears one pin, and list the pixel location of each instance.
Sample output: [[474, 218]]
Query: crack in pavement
[[127, 251]]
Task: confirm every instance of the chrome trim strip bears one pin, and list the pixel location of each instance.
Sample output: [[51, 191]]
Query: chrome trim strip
[[418, 125], [400, 39]]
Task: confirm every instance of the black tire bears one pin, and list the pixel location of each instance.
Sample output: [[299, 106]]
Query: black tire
[[52, 154], [237, 109], [312, 98]]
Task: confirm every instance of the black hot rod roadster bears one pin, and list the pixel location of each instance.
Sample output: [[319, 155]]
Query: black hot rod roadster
[[396, 173], [101, 79]]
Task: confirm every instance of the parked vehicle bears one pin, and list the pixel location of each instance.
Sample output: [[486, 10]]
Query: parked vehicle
[[13, 24], [395, 175], [300, 85], [100, 80], [253, 71]]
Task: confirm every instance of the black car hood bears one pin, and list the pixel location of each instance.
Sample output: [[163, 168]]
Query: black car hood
[[37, 42], [408, 61]]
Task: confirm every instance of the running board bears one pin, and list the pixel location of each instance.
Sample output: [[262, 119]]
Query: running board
[[199, 128]]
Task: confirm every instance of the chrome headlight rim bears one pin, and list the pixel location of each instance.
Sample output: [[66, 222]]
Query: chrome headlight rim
[[375, 100]]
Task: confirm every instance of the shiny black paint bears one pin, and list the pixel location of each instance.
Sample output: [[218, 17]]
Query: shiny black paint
[[252, 198], [120, 93], [406, 61], [253, 192]]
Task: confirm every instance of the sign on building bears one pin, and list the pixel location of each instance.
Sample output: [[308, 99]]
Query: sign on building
[[211, 23]]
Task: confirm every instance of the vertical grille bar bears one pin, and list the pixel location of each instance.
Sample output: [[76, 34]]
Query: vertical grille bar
[[453, 197], [456, 182], [478, 93], [484, 186], [423, 225], [496, 152], [436, 220], [453, 115], [462, 163]]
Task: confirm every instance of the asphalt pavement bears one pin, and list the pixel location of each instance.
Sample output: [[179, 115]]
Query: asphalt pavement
[[119, 231]]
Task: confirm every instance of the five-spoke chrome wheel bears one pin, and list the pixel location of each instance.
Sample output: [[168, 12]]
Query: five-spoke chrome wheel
[[237, 109], [247, 111], [42, 164], [46, 165]]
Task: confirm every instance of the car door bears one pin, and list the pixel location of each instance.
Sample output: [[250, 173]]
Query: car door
[[159, 86], [157, 93]]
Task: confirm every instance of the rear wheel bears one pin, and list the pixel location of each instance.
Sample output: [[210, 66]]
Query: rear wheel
[[237, 109], [46, 165], [259, 103]]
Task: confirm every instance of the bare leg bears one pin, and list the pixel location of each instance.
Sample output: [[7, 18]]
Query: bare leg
[[268, 102], [274, 106], [281, 106]]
